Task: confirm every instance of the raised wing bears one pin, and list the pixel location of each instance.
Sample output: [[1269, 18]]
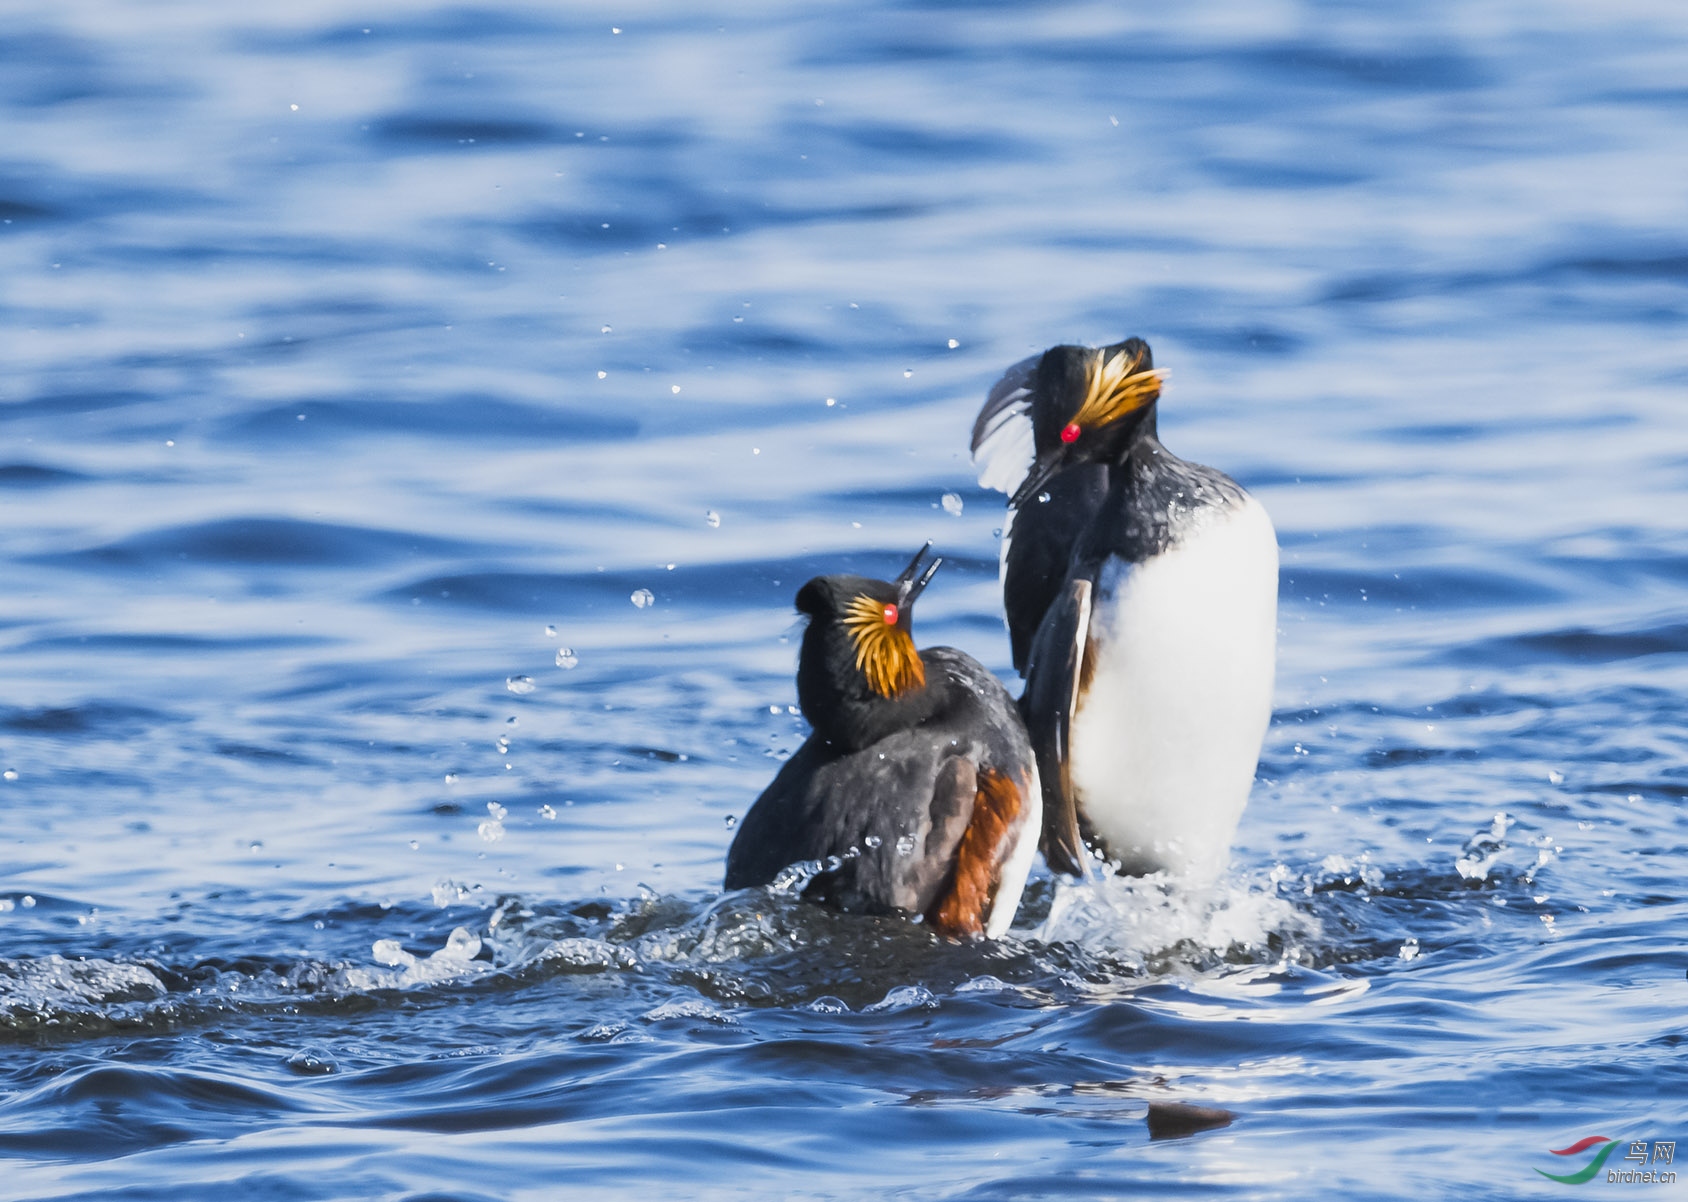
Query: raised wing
[[1003, 447], [1053, 675]]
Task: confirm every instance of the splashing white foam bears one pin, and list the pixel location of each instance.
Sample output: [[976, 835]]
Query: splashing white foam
[[53, 984], [1139, 918], [904, 997], [692, 1008], [456, 960]]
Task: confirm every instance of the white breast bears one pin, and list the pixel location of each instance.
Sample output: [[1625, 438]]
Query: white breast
[[1166, 739]]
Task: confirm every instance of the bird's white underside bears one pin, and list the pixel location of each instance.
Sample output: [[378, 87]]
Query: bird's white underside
[[1166, 739]]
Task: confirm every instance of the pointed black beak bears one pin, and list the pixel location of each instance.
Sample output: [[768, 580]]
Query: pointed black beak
[[1046, 465], [907, 574], [911, 581]]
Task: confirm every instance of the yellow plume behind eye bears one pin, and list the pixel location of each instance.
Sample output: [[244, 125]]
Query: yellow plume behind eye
[[885, 653], [1116, 388]]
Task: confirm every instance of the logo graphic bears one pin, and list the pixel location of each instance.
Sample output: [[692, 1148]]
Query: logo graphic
[[1663, 1152], [1593, 1167]]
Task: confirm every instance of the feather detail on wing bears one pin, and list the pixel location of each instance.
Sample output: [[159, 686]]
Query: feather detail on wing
[[1003, 447], [1054, 679], [1002, 552], [987, 844]]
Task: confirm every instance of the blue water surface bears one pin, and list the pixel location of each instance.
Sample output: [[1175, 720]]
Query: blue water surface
[[416, 419]]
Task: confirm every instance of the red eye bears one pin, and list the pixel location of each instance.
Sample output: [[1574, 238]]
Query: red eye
[[1070, 432], [890, 613]]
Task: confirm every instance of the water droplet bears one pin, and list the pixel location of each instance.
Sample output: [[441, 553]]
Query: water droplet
[[566, 658], [312, 1062], [953, 344], [548, 813], [873, 842], [605, 330], [907, 372], [451, 778], [732, 821], [1555, 778], [831, 401], [1409, 949], [27, 902], [711, 519], [675, 389], [415, 846], [550, 632], [503, 744], [792, 709], [643, 598], [603, 375], [460, 945], [1043, 498], [952, 504], [905, 845], [519, 684], [10, 774]]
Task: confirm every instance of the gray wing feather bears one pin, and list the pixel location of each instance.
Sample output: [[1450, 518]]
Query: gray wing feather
[[1054, 671], [920, 876]]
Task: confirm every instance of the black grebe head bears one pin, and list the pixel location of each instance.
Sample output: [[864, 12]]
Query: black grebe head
[[1088, 405], [859, 664]]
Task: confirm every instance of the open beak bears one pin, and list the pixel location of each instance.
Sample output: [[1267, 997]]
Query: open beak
[[1046, 465], [912, 581]]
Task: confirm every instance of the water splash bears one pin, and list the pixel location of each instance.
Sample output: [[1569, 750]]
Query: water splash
[[1482, 850], [1155, 922], [402, 970], [904, 997], [48, 988]]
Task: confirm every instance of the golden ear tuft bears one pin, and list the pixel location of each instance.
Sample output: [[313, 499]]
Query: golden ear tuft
[[885, 654], [1116, 388]]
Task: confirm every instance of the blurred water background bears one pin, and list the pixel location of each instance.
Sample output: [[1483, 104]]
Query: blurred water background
[[416, 419]]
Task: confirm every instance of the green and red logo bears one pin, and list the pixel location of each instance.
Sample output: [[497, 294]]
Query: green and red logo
[[1652, 1161], [1594, 1166]]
